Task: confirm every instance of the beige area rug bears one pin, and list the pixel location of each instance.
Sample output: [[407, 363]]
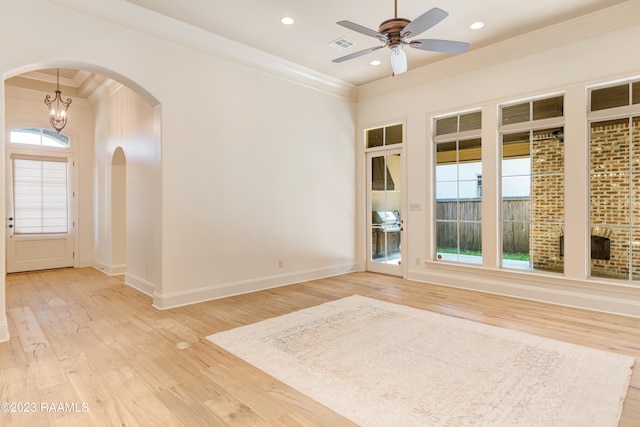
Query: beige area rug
[[383, 364]]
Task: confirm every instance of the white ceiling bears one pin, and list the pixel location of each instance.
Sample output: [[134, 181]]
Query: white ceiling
[[256, 23]]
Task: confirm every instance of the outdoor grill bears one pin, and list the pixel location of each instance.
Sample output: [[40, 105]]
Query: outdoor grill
[[386, 227]]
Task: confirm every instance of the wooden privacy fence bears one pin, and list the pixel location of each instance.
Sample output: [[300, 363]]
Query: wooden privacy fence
[[515, 230]]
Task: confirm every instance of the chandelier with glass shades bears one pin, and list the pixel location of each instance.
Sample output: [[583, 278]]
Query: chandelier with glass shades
[[57, 107]]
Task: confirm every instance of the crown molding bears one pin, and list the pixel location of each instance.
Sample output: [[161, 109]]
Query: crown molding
[[135, 17], [101, 90], [41, 86]]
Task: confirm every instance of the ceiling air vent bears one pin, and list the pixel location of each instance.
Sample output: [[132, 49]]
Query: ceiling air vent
[[341, 44]]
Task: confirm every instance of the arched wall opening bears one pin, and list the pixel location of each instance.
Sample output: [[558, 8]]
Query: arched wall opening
[[92, 68], [120, 116]]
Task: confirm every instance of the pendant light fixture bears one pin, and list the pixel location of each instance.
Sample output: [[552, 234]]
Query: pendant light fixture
[[57, 107]]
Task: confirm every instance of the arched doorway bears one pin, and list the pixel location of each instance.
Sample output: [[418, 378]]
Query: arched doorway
[[107, 117]]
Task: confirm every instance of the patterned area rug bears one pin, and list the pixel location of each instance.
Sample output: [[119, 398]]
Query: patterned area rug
[[383, 364]]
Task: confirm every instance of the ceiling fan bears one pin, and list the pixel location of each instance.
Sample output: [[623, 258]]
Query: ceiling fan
[[395, 34]]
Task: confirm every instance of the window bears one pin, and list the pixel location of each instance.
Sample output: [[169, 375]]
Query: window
[[620, 95], [384, 136], [532, 110], [40, 195], [614, 160], [38, 136], [459, 187], [533, 184]]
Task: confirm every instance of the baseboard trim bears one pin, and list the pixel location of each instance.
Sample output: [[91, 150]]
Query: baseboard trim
[[119, 269], [613, 298], [177, 299], [109, 269], [139, 284]]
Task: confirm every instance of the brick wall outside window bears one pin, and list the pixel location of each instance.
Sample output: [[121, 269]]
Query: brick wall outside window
[[615, 196], [547, 197]]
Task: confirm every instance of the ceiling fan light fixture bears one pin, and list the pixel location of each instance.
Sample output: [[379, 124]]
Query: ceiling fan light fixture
[[397, 32], [398, 60]]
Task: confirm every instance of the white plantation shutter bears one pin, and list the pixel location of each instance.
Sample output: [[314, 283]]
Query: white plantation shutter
[[40, 196]]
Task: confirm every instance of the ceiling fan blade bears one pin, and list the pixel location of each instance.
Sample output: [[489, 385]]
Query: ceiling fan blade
[[434, 45], [423, 22], [357, 54], [363, 30]]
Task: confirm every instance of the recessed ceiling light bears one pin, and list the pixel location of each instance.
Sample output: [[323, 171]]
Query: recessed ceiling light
[[476, 25], [376, 62], [287, 20]]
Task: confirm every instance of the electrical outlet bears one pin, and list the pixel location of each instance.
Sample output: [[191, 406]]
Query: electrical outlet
[[280, 264], [417, 261]]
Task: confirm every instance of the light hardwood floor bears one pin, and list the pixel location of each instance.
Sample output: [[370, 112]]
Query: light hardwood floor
[[83, 338]]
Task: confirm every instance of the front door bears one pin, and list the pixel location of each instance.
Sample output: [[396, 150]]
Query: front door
[[385, 221], [39, 220]]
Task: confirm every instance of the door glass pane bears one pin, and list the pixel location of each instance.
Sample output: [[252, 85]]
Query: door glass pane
[[378, 174], [386, 199]]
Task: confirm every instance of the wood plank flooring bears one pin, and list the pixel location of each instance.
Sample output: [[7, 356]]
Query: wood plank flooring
[[84, 339]]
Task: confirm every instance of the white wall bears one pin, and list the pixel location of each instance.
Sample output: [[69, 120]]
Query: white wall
[[257, 161], [126, 121], [564, 58], [263, 172]]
